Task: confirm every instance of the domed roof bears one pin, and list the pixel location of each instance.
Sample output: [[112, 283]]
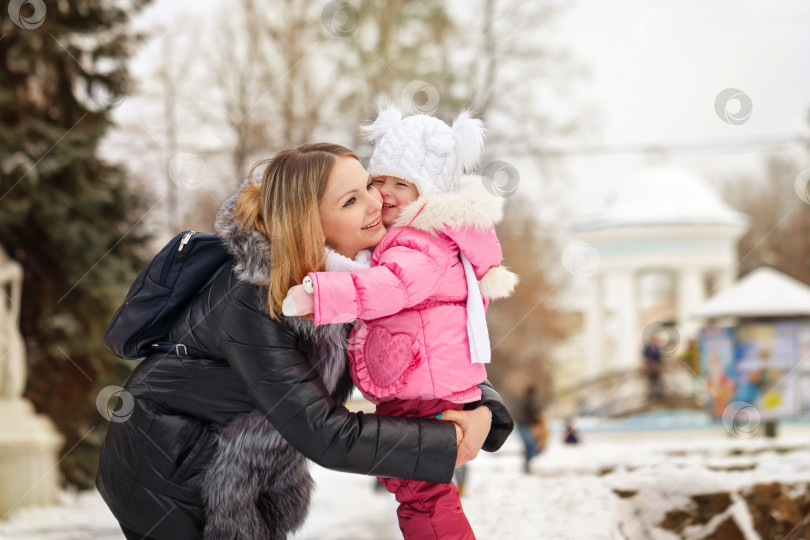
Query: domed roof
[[662, 196]]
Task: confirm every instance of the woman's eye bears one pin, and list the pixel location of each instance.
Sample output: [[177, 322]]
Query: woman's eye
[[349, 202], [402, 185], [369, 186]]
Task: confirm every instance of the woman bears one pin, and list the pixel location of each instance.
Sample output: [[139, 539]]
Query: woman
[[217, 443]]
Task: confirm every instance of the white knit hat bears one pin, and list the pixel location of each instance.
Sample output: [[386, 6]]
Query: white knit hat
[[424, 150]]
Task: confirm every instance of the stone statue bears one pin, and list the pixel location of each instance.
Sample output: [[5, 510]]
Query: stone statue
[[12, 348], [29, 442]]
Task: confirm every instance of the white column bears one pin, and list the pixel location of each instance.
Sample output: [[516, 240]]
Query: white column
[[594, 327], [629, 339], [691, 293]]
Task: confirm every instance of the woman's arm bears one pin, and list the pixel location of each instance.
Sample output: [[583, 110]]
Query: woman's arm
[[288, 391], [485, 424]]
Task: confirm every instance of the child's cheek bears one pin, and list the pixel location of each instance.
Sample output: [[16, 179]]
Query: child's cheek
[[391, 217]]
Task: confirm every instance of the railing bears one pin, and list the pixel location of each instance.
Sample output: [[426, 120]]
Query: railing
[[624, 392]]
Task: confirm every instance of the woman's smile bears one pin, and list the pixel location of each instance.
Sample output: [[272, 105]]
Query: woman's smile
[[374, 224]]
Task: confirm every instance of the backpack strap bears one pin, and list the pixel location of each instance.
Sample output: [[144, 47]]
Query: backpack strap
[[179, 350]]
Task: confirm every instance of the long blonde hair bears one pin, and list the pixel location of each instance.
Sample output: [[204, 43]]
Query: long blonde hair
[[284, 208]]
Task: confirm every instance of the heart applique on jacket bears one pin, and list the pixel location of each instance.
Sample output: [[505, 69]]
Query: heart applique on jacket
[[388, 356]]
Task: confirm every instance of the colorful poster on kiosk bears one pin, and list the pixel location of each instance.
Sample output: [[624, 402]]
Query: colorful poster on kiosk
[[717, 366], [765, 358]]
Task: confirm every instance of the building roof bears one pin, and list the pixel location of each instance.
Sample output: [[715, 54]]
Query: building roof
[[765, 292], [662, 196]]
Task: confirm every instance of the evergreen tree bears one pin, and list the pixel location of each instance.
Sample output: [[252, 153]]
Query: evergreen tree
[[72, 220]]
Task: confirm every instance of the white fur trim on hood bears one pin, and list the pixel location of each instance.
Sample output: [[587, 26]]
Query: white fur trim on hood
[[471, 205]]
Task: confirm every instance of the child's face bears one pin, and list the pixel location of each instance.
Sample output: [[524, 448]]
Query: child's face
[[396, 193]]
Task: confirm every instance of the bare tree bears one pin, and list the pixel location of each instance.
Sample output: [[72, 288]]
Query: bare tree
[[780, 218], [171, 73], [236, 78], [509, 72], [397, 43], [525, 327], [264, 77]]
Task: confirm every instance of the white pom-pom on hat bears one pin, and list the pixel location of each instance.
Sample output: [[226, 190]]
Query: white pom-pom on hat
[[469, 134], [387, 119]]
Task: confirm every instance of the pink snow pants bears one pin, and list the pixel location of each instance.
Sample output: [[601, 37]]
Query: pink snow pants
[[427, 511]]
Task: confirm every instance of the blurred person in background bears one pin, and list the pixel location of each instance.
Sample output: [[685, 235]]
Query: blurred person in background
[[531, 424], [652, 368], [571, 436]]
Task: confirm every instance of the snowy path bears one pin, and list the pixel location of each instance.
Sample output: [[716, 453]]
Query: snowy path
[[500, 502], [571, 493]]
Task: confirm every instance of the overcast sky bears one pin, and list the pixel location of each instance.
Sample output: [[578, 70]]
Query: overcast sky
[[658, 66]]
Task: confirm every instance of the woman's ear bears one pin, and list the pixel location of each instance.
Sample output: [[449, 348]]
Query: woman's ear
[[388, 117]]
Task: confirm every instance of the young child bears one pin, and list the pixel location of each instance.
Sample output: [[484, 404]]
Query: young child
[[421, 343]]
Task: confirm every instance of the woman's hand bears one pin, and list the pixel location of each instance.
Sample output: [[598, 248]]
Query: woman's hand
[[475, 426]]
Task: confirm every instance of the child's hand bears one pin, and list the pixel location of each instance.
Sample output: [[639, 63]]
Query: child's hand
[[475, 425], [298, 302]]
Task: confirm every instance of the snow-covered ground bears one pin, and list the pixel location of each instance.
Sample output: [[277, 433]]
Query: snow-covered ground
[[613, 485]]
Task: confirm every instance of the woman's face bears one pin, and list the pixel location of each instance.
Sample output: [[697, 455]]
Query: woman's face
[[350, 209]]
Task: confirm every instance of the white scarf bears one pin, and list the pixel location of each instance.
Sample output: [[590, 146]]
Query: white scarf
[[477, 332], [335, 262]]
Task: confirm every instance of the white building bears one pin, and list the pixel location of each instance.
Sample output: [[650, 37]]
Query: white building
[[651, 253]]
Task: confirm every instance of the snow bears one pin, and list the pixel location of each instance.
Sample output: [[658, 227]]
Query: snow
[[570, 493], [765, 292]]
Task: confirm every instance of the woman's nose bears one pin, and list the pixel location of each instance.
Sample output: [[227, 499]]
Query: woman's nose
[[375, 201]]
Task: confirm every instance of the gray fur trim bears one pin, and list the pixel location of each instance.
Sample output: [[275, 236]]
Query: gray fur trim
[[257, 486], [250, 248]]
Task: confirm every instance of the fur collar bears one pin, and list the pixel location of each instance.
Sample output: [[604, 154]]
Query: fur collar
[[249, 248], [472, 205]]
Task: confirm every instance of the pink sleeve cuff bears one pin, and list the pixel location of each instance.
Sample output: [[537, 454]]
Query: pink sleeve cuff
[[335, 298]]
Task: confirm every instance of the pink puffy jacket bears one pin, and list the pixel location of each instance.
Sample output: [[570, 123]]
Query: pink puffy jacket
[[412, 340]]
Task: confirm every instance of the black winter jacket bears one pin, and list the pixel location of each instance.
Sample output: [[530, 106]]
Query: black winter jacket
[[190, 415]]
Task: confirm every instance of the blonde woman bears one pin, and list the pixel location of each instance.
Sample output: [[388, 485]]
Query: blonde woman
[[216, 447]]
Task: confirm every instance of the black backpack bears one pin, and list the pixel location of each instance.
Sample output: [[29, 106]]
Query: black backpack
[[168, 283]]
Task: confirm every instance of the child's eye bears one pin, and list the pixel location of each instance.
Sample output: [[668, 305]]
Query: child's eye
[[349, 202]]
